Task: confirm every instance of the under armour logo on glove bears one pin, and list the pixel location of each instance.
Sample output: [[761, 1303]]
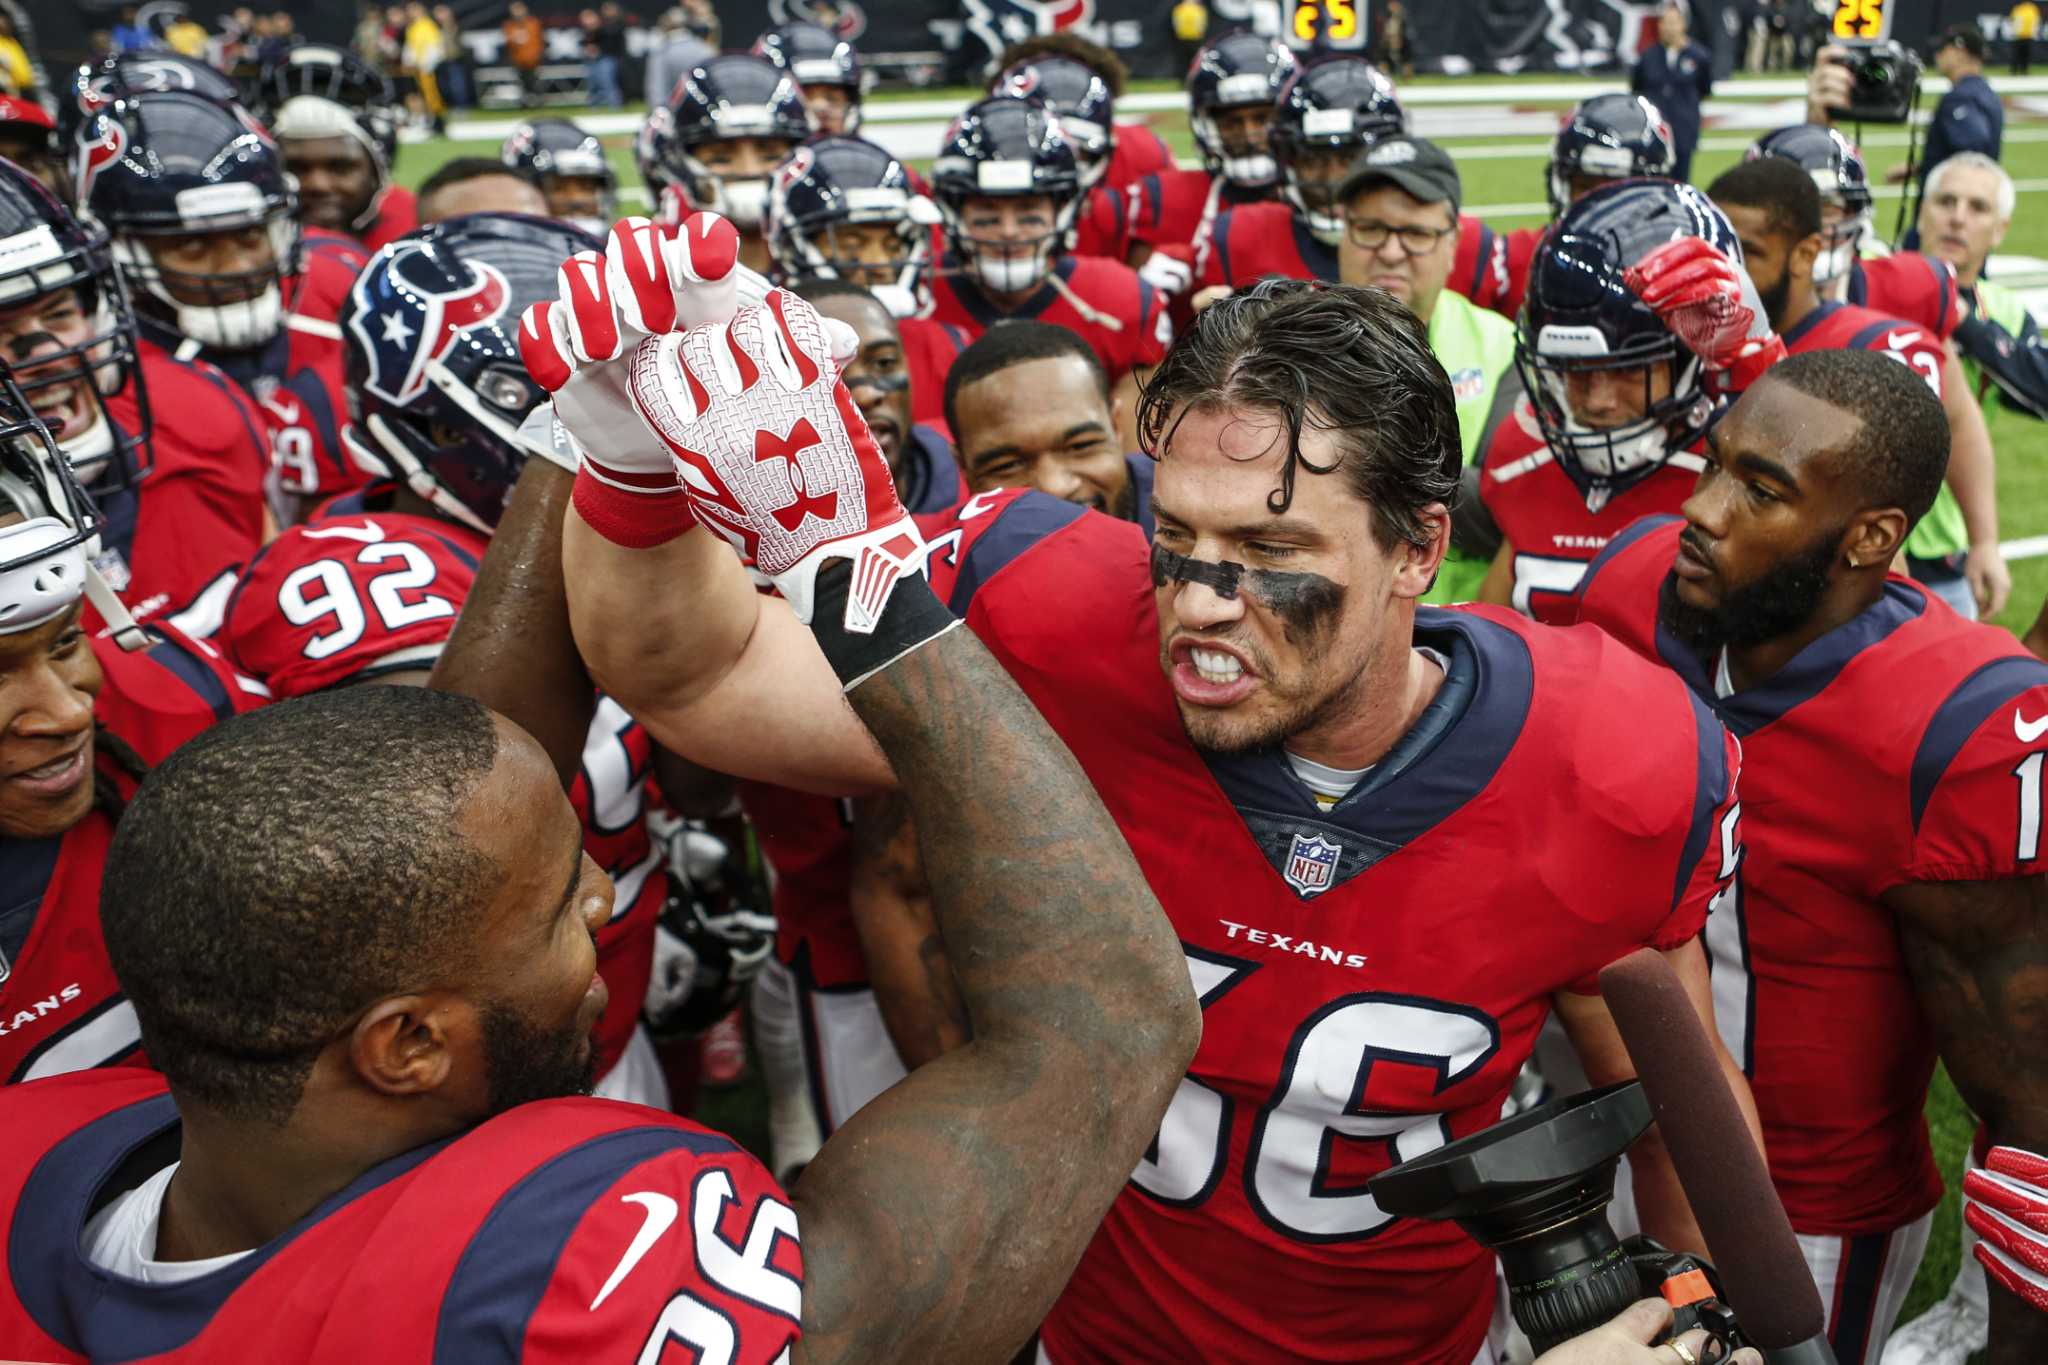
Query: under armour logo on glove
[[1708, 302], [774, 455]]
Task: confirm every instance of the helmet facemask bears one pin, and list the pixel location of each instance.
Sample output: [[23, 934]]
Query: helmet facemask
[[238, 310], [98, 363], [1604, 461]]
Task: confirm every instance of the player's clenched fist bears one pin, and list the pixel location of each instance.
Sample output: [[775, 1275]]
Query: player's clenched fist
[[775, 456], [1708, 302], [649, 281]]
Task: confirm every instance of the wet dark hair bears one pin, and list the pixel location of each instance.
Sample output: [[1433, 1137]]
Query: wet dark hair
[[1332, 357], [1901, 452], [284, 870], [1780, 187]]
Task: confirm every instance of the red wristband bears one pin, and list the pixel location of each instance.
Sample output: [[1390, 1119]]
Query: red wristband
[[633, 520]]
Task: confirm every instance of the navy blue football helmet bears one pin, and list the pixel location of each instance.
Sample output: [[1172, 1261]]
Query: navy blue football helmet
[[572, 168], [1081, 99], [315, 92], [1609, 137], [88, 350], [835, 184], [1005, 147], [727, 98], [1329, 112], [431, 336], [1837, 170], [817, 58], [121, 75], [1237, 71], [1582, 317], [183, 165]]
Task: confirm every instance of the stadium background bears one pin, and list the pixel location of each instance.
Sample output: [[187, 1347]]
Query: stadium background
[[1496, 122]]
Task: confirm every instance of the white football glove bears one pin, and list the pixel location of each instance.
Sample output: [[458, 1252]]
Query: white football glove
[[1166, 273]]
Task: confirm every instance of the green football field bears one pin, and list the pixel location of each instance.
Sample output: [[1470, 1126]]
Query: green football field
[[1508, 171]]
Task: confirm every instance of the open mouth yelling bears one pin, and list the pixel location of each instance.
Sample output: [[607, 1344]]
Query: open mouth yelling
[[1206, 675]]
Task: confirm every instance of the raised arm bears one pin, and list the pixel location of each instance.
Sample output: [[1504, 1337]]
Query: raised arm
[[891, 899]]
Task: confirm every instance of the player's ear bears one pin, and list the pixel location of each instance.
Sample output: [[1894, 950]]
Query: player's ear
[[406, 1044], [1874, 537], [1416, 565], [1804, 253]]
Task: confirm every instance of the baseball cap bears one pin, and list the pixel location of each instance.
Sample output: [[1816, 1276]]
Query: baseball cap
[[1416, 164], [15, 109]]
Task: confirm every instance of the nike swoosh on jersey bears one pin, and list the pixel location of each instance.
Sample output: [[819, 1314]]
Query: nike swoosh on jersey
[[2028, 730], [661, 1215], [369, 533], [1894, 341]]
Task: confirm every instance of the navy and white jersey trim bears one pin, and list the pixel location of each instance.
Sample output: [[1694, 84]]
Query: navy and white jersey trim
[[1709, 794], [1019, 526], [1966, 709], [195, 673], [1627, 536]]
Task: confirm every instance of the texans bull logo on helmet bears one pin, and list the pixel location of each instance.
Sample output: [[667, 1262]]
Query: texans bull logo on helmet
[[103, 143], [404, 323]]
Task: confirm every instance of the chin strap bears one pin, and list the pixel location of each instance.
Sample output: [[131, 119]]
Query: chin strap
[[114, 612]]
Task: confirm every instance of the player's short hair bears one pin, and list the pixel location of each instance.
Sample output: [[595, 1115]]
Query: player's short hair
[[461, 168], [1339, 358], [1015, 343], [2008, 195], [1901, 450], [288, 868], [1781, 188], [1097, 58], [816, 289]]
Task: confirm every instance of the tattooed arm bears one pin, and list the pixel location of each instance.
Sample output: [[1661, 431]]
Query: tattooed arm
[[1978, 952], [512, 649], [906, 957], [943, 1220]]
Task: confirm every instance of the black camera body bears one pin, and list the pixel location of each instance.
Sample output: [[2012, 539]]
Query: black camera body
[[1535, 1191], [1884, 81]]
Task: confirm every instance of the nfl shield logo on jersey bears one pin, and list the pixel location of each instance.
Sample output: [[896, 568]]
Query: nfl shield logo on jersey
[[1311, 863]]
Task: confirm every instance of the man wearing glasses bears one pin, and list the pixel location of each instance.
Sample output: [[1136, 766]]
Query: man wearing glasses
[[1400, 203]]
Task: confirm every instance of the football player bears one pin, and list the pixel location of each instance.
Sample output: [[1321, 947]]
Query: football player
[[1276, 701], [1134, 150], [1777, 214], [479, 184], [1615, 396], [1606, 138], [82, 716], [1328, 112], [826, 68], [715, 146], [172, 450], [1008, 185], [571, 168], [378, 1012], [370, 588], [1892, 878], [1233, 84], [335, 118], [1086, 105], [219, 270], [845, 208], [124, 75], [28, 138]]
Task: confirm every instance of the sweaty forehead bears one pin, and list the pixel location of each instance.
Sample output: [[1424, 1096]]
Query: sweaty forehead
[[1806, 435]]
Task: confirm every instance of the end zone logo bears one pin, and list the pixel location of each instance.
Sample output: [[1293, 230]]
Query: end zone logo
[[999, 23]]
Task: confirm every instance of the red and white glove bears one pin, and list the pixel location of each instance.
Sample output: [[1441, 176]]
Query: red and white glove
[[775, 456], [2006, 1204], [1708, 302], [647, 281]]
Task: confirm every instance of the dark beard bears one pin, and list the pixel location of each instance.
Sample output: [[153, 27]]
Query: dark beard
[[1776, 604], [523, 1063], [1775, 298]]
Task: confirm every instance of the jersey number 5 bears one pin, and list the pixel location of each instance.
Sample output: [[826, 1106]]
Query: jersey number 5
[[336, 596], [1317, 1109]]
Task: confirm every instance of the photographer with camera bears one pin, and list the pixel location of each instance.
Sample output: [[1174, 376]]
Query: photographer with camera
[[1968, 119]]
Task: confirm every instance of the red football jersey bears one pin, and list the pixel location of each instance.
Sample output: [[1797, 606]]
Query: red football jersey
[[1373, 975], [1102, 227], [307, 406], [806, 841], [358, 593], [1546, 518], [1175, 207], [1908, 285], [398, 212], [60, 1007], [1898, 748], [1250, 243], [194, 512], [1123, 318], [558, 1233], [1492, 268], [1845, 327], [928, 351], [1136, 153]]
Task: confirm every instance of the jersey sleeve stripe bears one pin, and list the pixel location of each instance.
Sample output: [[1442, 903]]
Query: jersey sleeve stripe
[[195, 673], [1871, 338], [1974, 699], [1019, 526], [1625, 537], [1480, 257], [1709, 794], [510, 1261], [1219, 237]]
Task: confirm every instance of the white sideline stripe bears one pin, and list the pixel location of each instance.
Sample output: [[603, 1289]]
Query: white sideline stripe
[[2026, 547]]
